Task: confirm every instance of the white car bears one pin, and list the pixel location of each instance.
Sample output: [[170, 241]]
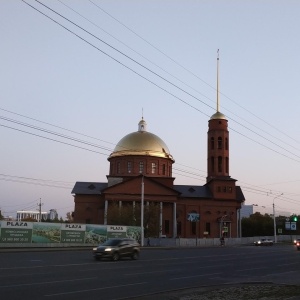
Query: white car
[[264, 242]]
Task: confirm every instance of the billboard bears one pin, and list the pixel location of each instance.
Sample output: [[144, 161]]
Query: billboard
[[42, 232]]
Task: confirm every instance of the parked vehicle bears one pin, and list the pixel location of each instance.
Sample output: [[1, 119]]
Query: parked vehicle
[[264, 242], [117, 248]]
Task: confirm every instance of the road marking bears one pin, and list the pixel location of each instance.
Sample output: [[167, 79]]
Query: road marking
[[44, 266], [98, 289], [185, 277], [242, 270], [283, 265], [45, 282], [279, 273], [35, 260]]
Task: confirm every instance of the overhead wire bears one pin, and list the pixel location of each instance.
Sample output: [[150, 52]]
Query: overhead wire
[[75, 34], [182, 172], [236, 115], [190, 72], [174, 85]]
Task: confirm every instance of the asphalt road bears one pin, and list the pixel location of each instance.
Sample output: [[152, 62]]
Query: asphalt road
[[75, 275]]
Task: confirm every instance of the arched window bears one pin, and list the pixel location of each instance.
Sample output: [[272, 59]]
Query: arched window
[[212, 162], [141, 167], [227, 165], [212, 143], [153, 168], [220, 164], [129, 167], [219, 142], [118, 168], [164, 169], [226, 143]]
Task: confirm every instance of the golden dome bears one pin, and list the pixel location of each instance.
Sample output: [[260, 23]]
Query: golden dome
[[218, 115], [142, 142]]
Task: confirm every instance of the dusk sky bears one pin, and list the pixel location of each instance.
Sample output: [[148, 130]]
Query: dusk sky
[[74, 82]]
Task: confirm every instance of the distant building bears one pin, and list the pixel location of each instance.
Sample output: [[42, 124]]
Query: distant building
[[246, 211], [52, 215], [28, 214]]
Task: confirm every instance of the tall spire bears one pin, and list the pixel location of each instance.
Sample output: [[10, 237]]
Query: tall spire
[[218, 104], [218, 115]]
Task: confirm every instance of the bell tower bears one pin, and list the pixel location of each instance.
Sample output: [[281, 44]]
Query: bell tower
[[217, 142]]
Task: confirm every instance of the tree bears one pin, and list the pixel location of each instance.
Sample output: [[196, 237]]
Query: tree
[[151, 220], [258, 225], [69, 217], [29, 219], [130, 215], [1, 217]]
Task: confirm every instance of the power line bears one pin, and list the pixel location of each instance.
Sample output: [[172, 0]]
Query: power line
[[185, 102], [196, 76], [236, 115], [189, 174], [59, 127], [35, 179], [54, 133], [50, 139], [114, 48], [184, 173]]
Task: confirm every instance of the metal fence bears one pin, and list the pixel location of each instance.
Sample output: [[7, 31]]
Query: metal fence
[[196, 242]]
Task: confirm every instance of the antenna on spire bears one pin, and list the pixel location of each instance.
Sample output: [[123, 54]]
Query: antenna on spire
[[142, 113], [218, 104]]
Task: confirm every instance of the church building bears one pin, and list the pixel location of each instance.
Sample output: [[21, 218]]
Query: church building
[[140, 170]]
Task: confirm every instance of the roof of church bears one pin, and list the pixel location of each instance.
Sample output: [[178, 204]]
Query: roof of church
[[218, 116], [186, 191], [89, 188], [142, 142], [194, 191]]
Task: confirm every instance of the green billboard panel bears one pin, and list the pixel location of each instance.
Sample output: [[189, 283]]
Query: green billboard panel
[[73, 233], [16, 232], [116, 231]]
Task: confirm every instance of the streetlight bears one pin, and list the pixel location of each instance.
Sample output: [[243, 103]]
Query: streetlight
[[142, 212], [275, 237]]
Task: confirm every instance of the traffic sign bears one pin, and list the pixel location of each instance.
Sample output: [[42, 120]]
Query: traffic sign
[[193, 217]]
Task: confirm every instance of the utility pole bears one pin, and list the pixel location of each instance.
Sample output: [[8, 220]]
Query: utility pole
[[142, 212], [274, 218], [40, 210]]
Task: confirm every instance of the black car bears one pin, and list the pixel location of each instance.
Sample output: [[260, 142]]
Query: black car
[[116, 248]]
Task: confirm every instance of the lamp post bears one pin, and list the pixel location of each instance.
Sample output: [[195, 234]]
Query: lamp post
[[142, 212], [274, 219]]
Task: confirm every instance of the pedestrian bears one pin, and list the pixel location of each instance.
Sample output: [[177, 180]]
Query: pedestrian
[[148, 242], [222, 241]]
